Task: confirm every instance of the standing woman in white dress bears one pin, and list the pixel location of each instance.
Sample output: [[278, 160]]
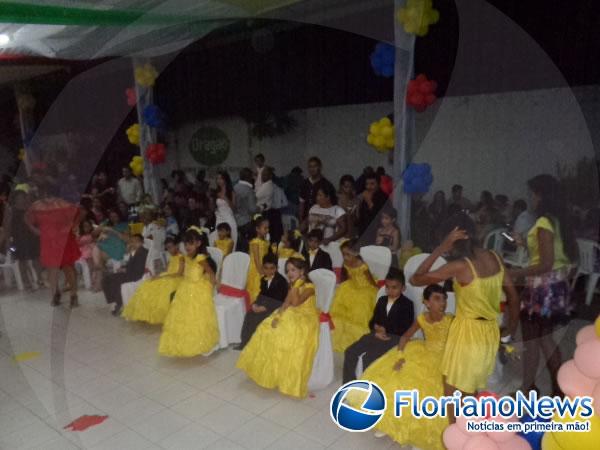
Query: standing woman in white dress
[[225, 202]]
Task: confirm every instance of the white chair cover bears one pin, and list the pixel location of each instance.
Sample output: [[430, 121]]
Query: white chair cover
[[217, 256], [337, 259], [413, 292], [378, 258], [323, 370], [11, 269], [281, 267], [128, 289], [212, 237], [232, 310]]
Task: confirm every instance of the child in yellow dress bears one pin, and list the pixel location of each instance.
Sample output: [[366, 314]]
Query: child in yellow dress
[[259, 247], [415, 365], [354, 299], [281, 352], [191, 326], [152, 299], [290, 245], [224, 243]]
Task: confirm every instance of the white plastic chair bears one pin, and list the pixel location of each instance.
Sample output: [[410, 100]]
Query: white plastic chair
[[323, 369], [217, 256], [494, 240], [212, 238], [11, 270], [518, 258], [379, 260], [232, 310], [82, 266], [415, 293], [589, 264]]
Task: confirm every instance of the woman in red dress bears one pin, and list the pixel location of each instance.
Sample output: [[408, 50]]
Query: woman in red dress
[[54, 220]]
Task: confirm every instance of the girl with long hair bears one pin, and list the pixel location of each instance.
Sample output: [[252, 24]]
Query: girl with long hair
[[545, 298]]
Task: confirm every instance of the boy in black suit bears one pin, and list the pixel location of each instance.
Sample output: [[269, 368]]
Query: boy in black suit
[[393, 315], [314, 255], [273, 291], [133, 271]]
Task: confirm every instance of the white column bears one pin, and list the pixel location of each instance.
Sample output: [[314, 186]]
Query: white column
[[404, 120]]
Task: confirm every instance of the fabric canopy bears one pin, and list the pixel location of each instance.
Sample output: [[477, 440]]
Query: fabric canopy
[[91, 29]]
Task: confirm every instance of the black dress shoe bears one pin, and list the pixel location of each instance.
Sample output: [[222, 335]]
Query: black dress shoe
[[117, 311], [56, 299]]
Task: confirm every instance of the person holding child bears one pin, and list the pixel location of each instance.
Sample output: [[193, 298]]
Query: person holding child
[[392, 316], [281, 352], [273, 290], [354, 299], [415, 365], [191, 326], [152, 299], [259, 247]]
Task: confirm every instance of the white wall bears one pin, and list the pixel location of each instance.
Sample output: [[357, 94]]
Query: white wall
[[494, 142]]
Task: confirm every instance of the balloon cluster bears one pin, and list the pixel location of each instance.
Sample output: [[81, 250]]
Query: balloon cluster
[[421, 93], [153, 116], [417, 178], [457, 437], [137, 165], [381, 135], [417, 15], [382, 60], [578, 377], [131, 96], [133, 134], [145, 75], [156, 153]]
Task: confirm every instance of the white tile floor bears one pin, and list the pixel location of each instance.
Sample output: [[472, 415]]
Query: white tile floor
[[92, 363]]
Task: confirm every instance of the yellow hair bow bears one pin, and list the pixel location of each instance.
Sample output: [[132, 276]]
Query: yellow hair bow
[[196, 229], [297, 234]]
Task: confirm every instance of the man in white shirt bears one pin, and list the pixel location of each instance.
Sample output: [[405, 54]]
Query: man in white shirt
[[130, 188]]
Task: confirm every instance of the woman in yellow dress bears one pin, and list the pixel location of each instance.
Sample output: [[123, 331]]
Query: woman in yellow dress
[[224, 243], [415, 365], [354, 299], [191, 326], [479, 279], [152, 299], [281, 352], [259, 247], [290, 245]]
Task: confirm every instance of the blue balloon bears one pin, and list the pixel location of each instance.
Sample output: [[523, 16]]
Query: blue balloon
[[534, 438], [153, 116], [382, 60], [417, 178]]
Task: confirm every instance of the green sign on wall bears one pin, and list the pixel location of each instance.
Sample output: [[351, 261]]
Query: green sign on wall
[[209, 146]]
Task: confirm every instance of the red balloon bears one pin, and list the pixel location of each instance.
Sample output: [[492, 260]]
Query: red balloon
[[420, 92], [156, 153], [131, 96]]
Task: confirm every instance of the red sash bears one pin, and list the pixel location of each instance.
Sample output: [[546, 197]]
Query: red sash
[[326, 318], [231, 291]]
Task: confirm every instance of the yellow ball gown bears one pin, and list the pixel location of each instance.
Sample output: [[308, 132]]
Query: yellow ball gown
[[152, 299], [282, 357], [474, 336], [191, 326], [421, 371], [353, 307], [225, 245], [261, 248]]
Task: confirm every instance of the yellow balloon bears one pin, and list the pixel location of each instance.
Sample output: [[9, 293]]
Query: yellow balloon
[[374, 128], [386, 122], [379, 141], [389, 143], [573, 439], [133, 134], [387, 131], [597, 326]]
